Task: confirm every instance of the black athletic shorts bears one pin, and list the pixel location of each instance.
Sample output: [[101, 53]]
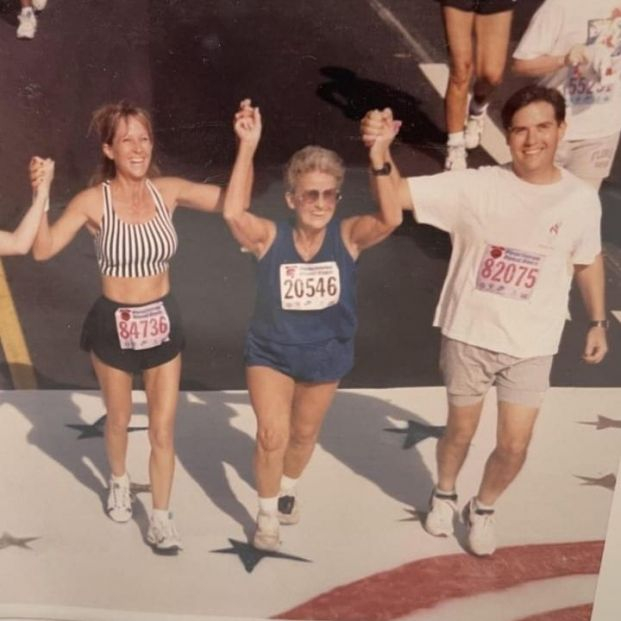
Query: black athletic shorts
[[99, 335], [481, 7]]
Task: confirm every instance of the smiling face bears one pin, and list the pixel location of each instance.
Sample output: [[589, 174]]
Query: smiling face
[[131, 148], [533, 137], [314, 198]]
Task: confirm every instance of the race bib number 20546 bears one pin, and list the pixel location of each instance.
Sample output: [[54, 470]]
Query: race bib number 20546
[[309, 286], [509, 272], [142, 327]]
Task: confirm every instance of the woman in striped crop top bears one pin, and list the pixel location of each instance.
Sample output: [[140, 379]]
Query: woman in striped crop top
[[135, 325], [301, 337]]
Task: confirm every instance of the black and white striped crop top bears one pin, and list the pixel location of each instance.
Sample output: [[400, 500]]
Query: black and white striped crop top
[[134, 250]]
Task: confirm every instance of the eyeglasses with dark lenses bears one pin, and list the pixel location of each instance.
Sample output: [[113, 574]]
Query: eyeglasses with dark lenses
[[310, 197]]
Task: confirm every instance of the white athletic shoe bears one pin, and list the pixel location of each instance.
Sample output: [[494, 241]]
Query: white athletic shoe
[[455, 157], [288, 509], [266, 534], [442, 510], [27, 24], [163, 537], [474, 129], [481, 532], [119, 506], [39, 5]]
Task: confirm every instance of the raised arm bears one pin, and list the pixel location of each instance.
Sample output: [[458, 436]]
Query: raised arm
[[590, 280], [253, 233], [181, 192], [50, 240], [20, 240]]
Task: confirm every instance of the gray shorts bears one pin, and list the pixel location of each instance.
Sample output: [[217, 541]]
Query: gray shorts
[[470, 371], [588, 159]]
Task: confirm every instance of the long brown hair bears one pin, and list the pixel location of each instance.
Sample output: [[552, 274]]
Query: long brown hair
[[105, 122]]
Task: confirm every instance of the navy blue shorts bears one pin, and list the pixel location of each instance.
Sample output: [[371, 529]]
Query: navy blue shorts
[[99, 336], [327, 361], [481, 7]]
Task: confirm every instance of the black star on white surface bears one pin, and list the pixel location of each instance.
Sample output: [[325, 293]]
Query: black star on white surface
[[96, 429], [608, 481], [417, 432], [603, 422], [251, 556], [8, 541]]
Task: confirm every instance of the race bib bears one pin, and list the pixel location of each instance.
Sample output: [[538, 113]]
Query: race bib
[[509, 272], [142, 327], [309, 286], [585, 91]]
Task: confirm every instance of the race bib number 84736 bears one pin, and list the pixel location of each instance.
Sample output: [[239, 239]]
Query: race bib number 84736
[[142, 327], [509, 272], [309, 286]]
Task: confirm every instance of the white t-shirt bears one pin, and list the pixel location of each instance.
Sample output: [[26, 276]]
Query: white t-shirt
[[514, 248], [593, 97]]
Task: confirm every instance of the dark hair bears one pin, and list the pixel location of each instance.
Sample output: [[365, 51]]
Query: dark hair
[[105, 122], [532, 94]]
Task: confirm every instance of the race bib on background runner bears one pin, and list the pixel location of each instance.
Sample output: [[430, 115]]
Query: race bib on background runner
[[309, 286], [509, 272], [142, 327]]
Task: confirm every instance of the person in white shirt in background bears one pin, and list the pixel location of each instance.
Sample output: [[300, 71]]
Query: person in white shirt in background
[[27, 19], [520, 233], [575, 47], [477, 34]]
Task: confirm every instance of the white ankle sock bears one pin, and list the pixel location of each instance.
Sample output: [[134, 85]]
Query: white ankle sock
[[455, 139], [122, 480], [268, 505], [288, 485], [161, 515]]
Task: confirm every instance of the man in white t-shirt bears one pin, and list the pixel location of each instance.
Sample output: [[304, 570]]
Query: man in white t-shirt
[[575, 47], [520, 233]]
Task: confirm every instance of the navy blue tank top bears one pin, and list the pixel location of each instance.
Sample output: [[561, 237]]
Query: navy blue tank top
[[301, 301]]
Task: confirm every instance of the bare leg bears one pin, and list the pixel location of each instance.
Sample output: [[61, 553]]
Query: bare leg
[[492, 41], [116, 388], [458, 27], [162, 388], [452, 448], [271, 394], [310, 404], [515, 428]]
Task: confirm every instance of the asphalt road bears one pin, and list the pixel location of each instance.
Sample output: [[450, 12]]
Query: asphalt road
[[314, 68]]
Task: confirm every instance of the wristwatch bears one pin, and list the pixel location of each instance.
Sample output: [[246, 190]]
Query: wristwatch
[[599, 323], [384, 170]]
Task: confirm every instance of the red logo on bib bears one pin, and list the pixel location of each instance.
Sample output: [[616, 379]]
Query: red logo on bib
[[496, 251], [125, 315]]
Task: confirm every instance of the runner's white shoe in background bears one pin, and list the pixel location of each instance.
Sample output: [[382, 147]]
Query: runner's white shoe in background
[[474, 130], [288, 509], [27, 24], [39, 5], [455, 157]]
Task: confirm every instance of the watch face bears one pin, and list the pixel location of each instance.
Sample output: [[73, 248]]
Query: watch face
[[384, 170]]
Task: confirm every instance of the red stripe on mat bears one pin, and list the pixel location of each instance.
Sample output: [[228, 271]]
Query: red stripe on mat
[[578, 613], [426, 582]]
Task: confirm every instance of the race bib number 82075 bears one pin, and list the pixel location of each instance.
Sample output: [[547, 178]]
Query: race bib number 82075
[[509, 272], [309, 286]]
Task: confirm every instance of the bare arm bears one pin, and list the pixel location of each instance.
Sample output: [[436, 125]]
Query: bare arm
[[540, 66], [251, 232], [200, 196], [50, 240], [590, 280], [20, 241]]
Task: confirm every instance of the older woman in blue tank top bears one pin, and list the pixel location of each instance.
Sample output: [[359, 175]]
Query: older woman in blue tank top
[[135, 326], [300, 340]]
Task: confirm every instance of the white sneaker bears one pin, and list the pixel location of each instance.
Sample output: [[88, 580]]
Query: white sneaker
[[39, 5], [119, 506], [163, 536], [474, 129], [27, 24], [442, 510], [455, 157], [288, 509], [481, 532], [266, 534]]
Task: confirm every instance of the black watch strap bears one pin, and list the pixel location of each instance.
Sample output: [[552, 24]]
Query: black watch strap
[[599, 323], [384, 170]]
